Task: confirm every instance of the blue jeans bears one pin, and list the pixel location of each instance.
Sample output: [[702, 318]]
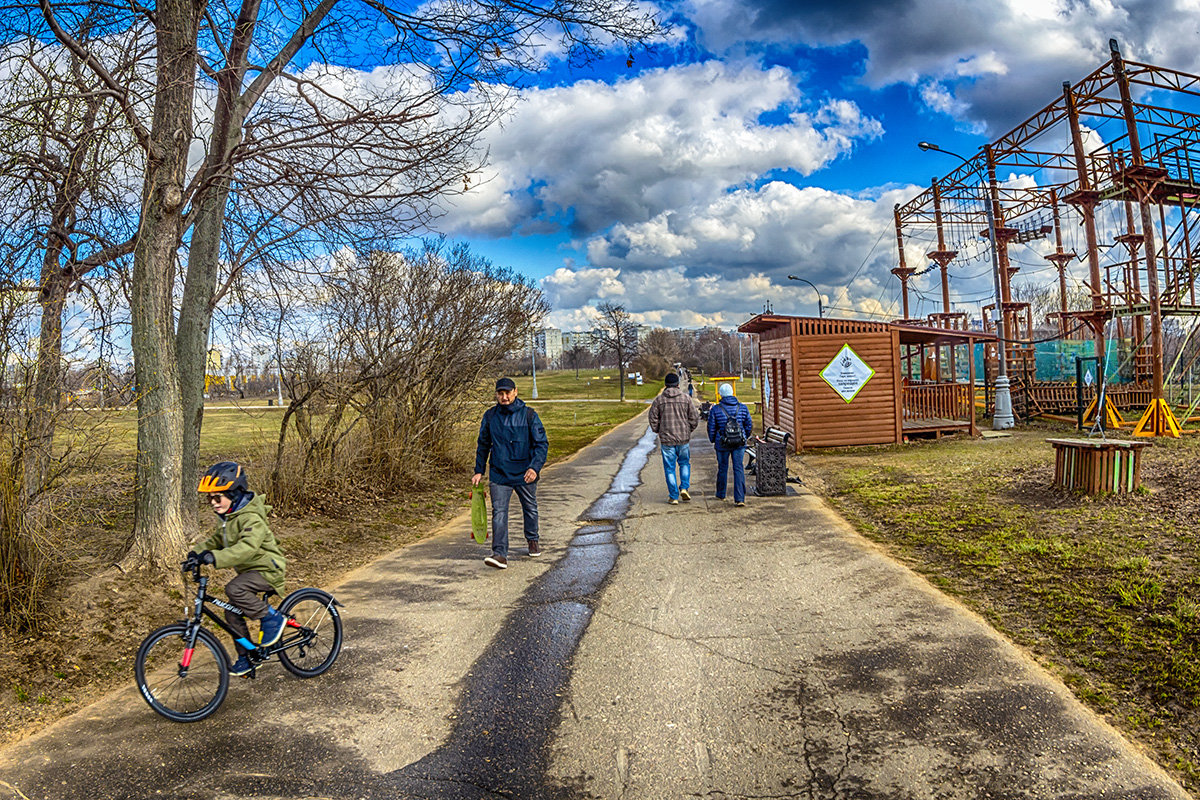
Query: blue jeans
[[501, 494], [739, 473], [680, 454]]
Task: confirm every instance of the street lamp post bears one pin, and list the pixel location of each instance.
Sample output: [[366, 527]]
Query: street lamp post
[[1002, 415], [815, 289], [533, 363]]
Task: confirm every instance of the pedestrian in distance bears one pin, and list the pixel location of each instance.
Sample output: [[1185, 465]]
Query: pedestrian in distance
[[244, 542], [512, 438], [673, 416], [729, 429]]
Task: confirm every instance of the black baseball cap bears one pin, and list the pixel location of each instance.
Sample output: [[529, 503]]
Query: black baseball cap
[[505, 384]]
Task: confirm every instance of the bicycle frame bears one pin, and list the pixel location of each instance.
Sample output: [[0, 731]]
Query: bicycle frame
[[201, 610]]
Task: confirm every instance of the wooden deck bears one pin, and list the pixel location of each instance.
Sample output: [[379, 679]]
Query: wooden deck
[[936, 426]]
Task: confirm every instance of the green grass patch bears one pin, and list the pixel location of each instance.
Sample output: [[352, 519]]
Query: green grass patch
[[570, 426], [591, 384]]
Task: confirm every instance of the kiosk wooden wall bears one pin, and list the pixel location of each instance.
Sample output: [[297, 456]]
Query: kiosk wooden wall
[[808, 406], [775, 352]]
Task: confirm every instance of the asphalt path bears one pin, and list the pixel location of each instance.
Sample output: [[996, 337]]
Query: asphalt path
[[653, 651]]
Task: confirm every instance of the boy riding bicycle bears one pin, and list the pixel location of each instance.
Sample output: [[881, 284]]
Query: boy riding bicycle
[[245, 543]]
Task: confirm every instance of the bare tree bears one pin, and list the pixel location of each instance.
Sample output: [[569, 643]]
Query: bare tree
[[65, 199], [66, 203], [373, 155], [414, 332], [577, 356], [657, 353], [714, 351], [616, 332]]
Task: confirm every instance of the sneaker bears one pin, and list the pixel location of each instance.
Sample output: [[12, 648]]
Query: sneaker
[[739, 504], [271, 628], [684, 496], [240, 667], [672, 501], [499, 562], [535, 549]]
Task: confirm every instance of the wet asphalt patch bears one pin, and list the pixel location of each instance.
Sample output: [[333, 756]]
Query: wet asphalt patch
[[514, 693]]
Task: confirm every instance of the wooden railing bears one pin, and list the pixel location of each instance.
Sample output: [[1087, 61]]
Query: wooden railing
[[936, 400], [1058, 397]]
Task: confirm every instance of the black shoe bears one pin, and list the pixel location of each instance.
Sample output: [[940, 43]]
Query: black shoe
[[499, 562], [535, 549]]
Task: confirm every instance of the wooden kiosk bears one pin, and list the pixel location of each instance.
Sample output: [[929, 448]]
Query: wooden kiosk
[[836, 382]]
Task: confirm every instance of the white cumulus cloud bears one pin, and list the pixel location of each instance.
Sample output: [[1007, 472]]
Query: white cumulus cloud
[[594, 154]]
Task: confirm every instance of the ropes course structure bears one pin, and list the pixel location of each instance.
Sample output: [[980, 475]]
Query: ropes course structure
[[1101, 188]]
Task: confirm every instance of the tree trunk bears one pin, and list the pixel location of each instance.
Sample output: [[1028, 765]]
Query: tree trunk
[[55, 286], [43, 410], [621, 364], [195, 321], [204, 251], [159, 535]]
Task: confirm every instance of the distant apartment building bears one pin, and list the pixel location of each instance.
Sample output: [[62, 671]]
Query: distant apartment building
[[573, 339], [550, 342]]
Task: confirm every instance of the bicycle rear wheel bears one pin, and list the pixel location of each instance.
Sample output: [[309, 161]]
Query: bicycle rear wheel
[[179, 693], [313, 636]]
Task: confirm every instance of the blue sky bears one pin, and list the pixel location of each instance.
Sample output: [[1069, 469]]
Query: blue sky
[[768, 138]]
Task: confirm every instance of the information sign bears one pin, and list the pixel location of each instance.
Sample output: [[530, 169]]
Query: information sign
[[847, 374]]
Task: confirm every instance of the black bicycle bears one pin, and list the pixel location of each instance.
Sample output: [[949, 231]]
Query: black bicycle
[[197, 680]]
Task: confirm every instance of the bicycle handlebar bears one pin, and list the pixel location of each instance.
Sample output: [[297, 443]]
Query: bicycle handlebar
[[192, 565]]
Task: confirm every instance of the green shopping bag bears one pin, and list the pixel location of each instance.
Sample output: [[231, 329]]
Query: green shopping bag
[[479, 526]]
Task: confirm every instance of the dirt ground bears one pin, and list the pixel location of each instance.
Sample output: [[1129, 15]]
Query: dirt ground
[[99, 615]]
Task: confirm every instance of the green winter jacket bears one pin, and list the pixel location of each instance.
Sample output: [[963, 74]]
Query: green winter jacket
[[244, 542]]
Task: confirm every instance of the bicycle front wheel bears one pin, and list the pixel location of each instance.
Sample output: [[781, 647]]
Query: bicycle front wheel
[[313, 636], [183, 686]]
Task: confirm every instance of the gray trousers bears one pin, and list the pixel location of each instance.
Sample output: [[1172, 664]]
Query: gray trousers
[[245, 592]]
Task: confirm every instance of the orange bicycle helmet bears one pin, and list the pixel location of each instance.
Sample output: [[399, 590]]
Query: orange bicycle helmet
[[227, 476]]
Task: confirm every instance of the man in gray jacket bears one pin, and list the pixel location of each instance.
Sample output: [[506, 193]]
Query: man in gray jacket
[[673, 416]]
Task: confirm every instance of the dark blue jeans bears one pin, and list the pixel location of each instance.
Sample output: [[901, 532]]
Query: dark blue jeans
[[739, 473], [501, 495]]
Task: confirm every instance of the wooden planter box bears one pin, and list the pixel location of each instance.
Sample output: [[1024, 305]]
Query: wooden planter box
[[1097, 466]]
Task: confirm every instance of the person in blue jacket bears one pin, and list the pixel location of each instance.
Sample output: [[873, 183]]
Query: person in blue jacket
[[729, 428], [512, 436]]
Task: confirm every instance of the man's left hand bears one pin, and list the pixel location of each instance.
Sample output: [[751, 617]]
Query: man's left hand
[[530, 475]]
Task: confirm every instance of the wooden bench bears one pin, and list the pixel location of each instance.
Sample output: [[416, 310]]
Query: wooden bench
[[1098, 465], [777, 435]]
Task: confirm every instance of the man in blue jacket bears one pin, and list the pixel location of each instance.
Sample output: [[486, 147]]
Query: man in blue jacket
[[729, 428], [512, 435]]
